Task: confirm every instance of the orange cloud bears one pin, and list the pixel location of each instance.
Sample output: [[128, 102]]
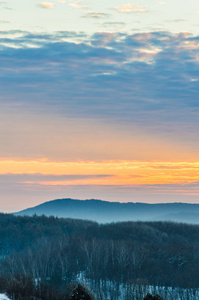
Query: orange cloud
[[46, 5], [77, 6], [118, 172], [128, 8]]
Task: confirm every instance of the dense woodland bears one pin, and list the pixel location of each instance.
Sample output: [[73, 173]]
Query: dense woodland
[[56, 252]]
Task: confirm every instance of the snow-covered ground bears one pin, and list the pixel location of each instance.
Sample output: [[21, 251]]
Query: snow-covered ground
[[115, 290], [4, 297]]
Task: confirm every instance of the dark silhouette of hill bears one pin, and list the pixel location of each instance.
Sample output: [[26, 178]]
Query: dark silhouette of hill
[[57, 250], [105, 212]]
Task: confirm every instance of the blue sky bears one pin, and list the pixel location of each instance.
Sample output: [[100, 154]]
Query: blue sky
[[108, 82]]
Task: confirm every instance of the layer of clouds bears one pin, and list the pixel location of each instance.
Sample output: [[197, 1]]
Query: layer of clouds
[[148, 79], [16, 195], [10, 180]]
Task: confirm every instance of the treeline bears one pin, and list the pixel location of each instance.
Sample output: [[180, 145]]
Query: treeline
[[59, 250], [20, 287]]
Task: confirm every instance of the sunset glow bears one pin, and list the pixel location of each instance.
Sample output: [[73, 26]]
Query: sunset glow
[[111, 172], [99, 99]]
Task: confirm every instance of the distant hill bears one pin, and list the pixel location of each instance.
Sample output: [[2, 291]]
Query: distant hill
[[105, 212]]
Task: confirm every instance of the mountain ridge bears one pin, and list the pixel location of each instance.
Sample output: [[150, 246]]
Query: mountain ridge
[[106, 212]]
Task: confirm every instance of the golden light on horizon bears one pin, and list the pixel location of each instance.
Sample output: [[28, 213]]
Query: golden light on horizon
[[106, 172]]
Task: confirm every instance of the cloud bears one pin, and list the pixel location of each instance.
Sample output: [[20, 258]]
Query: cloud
[[3, 5], [141, 186], [114, 24], [4, 22], [95, 15], [77, 6], [146, 83], [131, 8], [22, 179], [94, 172], [178, 21], [46, 5]]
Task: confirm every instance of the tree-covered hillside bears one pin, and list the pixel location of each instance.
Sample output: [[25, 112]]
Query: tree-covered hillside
[[157, 253]]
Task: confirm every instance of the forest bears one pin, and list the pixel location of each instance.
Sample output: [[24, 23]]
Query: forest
[[141, 257]]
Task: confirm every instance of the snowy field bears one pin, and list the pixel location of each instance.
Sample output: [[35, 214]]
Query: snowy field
[[115, 291]]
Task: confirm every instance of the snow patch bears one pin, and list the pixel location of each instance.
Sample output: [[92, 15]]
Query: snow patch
[[4, 297]]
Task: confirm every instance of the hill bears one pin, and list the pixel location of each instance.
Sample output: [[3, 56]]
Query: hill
[[105, 212], [59, 250]]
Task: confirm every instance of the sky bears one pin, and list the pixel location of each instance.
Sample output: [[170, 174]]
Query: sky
[[99, 99]]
